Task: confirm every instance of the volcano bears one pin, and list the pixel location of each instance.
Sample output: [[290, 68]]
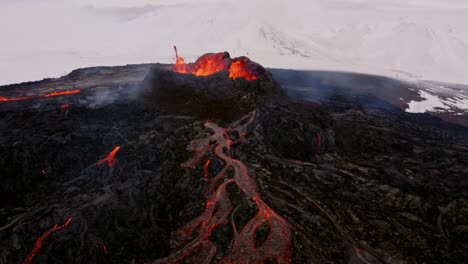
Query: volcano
[[209, 64], [215, 161]]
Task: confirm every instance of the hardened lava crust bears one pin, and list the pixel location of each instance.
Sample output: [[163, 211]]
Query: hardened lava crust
[[148, 164]]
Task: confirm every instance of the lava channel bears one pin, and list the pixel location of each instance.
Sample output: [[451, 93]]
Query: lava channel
[[40, 241], [48, 95], [193, 239]]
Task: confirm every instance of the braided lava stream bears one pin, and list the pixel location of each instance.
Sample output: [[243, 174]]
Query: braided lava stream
[[193, 239]]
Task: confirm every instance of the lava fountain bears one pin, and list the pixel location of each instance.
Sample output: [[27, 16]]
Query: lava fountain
[[212, 63], [193, 239]]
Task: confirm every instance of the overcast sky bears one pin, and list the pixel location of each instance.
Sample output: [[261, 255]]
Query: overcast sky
[[49, 38]]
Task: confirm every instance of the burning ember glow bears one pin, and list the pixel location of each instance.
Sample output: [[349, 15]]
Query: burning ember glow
[[193, 239], [110, 159], [44, 171], [53, 94], [209, 64], [40, 240]]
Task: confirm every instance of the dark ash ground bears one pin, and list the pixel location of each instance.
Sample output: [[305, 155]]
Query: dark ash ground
[[392, 183]]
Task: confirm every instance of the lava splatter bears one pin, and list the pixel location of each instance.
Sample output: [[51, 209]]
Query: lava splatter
[[8, 99], [110, 159], [40, 241], [218, 207]]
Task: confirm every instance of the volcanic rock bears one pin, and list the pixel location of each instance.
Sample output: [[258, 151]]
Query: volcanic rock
[[341, 183], [214, 95]]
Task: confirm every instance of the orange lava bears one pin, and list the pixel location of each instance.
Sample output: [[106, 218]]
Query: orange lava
[[110, 159], [7, 99], [61, 93], [210, 64], [40, 240], [52, 94], [193, 239], [239, 69]]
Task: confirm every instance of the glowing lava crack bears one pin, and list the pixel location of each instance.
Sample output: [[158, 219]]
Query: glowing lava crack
[[193, 239]]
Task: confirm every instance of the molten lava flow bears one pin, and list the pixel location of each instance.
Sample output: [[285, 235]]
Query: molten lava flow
[[193, 239], [239, 69], [209, 64], [61, 93], [40, 240], [65, 106], [6, 99], [53, 94], [110, 159]]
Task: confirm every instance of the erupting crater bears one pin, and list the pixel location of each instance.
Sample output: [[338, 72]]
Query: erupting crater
[[215, 84], [212, 63]]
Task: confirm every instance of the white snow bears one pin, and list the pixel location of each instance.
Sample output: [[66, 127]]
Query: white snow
[[429, 103], [416, 39], [435, 103]]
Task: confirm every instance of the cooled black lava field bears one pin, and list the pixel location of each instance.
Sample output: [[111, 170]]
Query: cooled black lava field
[[142, 164]]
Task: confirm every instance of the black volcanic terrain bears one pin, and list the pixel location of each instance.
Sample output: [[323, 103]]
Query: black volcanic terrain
[[141, 164]]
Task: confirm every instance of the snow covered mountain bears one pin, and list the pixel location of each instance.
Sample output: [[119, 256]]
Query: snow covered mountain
[[412, 40], [405, 39]]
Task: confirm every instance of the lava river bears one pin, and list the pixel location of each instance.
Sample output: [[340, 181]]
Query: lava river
[[193, 239], [48, 95]]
